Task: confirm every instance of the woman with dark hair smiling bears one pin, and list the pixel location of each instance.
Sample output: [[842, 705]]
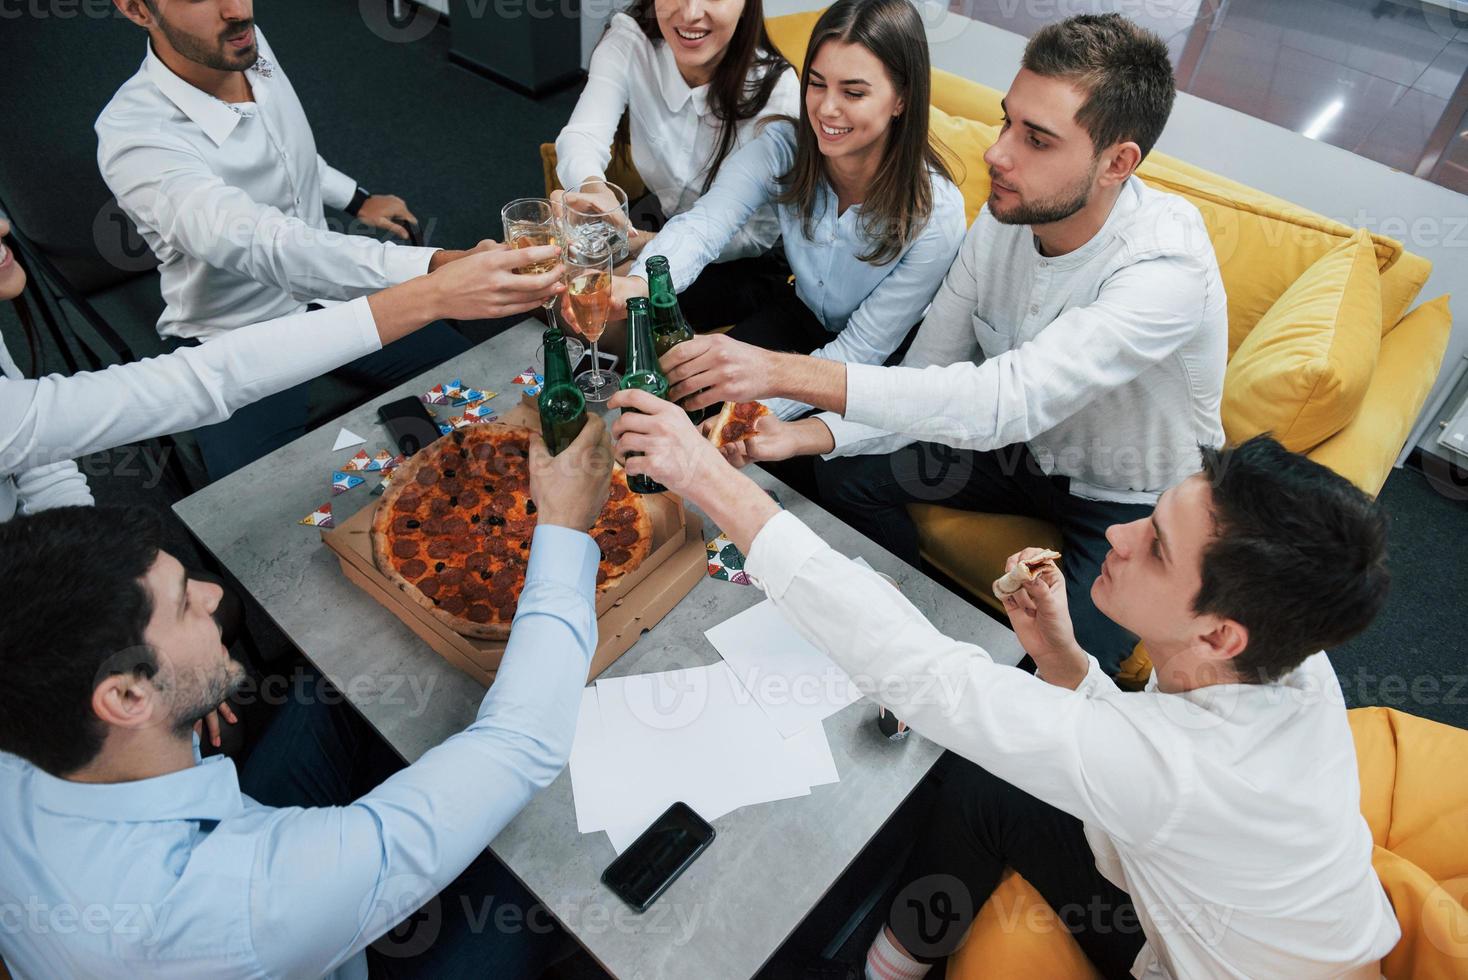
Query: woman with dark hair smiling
[[870, 215], [693, 77]]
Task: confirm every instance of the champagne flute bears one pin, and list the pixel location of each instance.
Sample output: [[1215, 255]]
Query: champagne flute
[[532, 221], [588, 264], [598, 208]]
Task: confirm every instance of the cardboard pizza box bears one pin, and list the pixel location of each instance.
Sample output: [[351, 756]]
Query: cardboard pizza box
[[677, 562]]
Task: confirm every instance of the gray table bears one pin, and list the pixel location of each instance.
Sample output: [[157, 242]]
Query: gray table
[[770, 864]]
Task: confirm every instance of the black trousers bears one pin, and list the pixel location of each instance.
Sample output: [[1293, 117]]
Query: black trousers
[[982, 825], [871, 493]]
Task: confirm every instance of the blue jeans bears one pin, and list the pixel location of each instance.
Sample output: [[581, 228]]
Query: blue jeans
[[483, 924], [264, 426], [871, 493]]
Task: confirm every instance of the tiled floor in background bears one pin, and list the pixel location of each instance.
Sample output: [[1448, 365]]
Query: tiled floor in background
[[1397, 68]]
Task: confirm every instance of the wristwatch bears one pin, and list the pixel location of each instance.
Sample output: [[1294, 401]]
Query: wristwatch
[[358, 199]]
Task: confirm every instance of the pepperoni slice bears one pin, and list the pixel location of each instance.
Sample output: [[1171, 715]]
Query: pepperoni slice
[[624, 515], [453, 526], [498, 546], [606, 541], [472, 590], [479, 613], [453, 604], [451, 576], [619, 492], [427, 476], [440, 548], [627, 537], [413, 567], [477, 562], [407, 503], [502, 502], [601, 576], [406, 548], [468, 498], [429, 586], [450, 484], [619, 557]]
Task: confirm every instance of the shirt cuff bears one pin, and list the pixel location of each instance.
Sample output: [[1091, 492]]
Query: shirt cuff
[[843, 433], [404, 262], [561, 556], [1095, 682], [779, 550], [368, 336], [866, 393], [336, 188]]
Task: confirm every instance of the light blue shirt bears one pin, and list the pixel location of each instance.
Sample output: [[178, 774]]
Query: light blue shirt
[[869, 308], [184, 876]]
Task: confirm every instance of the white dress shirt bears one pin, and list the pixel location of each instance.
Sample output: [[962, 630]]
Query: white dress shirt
[[1107, 361], [185, 876], [674, 133], [1231, 814], [229, 198], [48, 422], [867, 308]]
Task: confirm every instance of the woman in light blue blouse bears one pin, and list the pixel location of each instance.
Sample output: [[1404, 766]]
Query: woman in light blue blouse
[[870, 217]]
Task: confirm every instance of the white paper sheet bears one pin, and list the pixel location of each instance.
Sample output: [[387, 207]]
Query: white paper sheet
[[796, 684], [346, 438]]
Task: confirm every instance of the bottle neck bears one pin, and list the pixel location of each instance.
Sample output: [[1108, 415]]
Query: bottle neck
[[641, 355], [557, 362]]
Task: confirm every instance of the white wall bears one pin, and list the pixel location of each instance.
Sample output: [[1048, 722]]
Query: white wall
[[1430, 220]]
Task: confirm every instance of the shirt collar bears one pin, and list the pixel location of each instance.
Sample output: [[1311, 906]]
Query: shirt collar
[[215, 117], [1126, 203], [207, 791], [676, 92]]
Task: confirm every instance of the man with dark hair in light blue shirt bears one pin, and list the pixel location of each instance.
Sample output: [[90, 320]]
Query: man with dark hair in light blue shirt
[[121, 851]]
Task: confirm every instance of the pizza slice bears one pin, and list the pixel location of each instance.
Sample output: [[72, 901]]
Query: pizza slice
[[1013, 580], [736, 422]]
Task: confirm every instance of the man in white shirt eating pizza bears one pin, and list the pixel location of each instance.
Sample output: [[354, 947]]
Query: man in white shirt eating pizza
[[1207, 826], [208, 150]]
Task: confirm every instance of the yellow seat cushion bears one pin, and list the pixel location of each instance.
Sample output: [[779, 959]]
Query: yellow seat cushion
[[1304, 369], [967, 142], [1017, 936], [1406, 369]]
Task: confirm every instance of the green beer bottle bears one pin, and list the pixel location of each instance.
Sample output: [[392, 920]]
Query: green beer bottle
[[643, 373], [562, 406], [669, 328]]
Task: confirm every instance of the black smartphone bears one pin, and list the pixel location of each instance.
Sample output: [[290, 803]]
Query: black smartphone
[[658, 856], [409, 423]]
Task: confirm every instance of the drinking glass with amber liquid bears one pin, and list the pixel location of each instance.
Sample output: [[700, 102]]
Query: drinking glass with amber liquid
[[532, 221], [588, 264]]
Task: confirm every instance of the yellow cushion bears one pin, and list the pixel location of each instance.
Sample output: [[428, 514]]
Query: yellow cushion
[[958, 96], [1418, 816], [1405, 371], [1303, 371], [968, 141], [1017, 935], [791, 34]]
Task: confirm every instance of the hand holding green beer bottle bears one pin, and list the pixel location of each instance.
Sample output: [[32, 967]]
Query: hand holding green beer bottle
[[642, 372], [561, 404], [669, 328]]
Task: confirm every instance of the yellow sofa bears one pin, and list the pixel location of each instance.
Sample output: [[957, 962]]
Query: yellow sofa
[[1263, 245], [1418, 816]]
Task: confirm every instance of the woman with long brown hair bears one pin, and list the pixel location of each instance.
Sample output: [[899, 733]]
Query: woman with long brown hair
[[870, 215], [693, 78]]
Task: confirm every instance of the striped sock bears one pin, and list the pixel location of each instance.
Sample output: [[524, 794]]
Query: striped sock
[[886, 962]]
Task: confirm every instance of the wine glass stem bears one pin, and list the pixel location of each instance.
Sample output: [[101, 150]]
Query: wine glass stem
[[597, 379]]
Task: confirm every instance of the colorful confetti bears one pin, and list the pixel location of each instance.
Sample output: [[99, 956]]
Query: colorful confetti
[[726, 561], [320, 517], [529, 376], [359, 462], [342, 482]]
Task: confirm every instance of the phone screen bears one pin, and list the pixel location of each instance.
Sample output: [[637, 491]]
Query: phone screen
[[656, 859], [411, 426]]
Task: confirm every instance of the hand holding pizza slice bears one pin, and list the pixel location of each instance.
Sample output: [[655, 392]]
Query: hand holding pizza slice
[[736, 423]]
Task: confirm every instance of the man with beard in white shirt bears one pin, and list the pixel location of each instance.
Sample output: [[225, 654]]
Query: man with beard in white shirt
[[208, 150]]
